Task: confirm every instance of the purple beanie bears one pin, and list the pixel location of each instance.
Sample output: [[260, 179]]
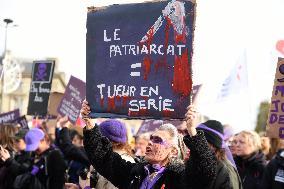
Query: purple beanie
[[114, 130]]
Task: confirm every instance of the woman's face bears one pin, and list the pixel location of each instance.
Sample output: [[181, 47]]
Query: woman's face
[[159, 148], [244, 146], [232, 144]]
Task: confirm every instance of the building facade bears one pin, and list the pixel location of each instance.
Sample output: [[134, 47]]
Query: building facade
[[15, 94]]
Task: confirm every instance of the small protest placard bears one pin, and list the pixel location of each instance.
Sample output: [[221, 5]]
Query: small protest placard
[[275, 122], [71, 102], [54, 101], [42, 75], [139, 59], [22, 121], [9, 117]]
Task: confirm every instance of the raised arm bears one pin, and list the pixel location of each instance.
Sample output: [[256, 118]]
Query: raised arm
[[99, 150], [70, 151], [202, 163]]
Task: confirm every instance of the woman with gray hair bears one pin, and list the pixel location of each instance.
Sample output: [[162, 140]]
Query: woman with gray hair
[[250, 160], [158, 171]]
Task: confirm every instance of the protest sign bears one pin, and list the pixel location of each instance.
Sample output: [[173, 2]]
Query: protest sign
[[42, 75], [139, 59], [54, 101], [9, 117], [71, 102], [22, 121], [275, 122]]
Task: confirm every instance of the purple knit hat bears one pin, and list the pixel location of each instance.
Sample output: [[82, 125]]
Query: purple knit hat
[[114, 130]]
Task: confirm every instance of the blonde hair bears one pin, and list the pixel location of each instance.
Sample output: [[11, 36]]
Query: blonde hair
[[253, 138]]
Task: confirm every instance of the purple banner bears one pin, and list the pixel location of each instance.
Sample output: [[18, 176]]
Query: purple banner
[[71, 102], [9, 117]]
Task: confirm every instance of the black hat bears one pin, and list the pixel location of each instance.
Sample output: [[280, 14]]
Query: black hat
[[213, 132], [21, 134]]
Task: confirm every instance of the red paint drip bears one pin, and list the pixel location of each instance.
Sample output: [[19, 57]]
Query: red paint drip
[[143, 112], [182, 81], [117, 98], [146, 66], [161, 64], [150, 35], [167, 31], [147, 60], [167, 113], [140, 113], [102, 102], [180, 37], [111, 103], [125, 99], [133, 114]]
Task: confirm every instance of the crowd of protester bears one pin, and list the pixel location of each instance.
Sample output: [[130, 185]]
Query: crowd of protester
[[202, 155]]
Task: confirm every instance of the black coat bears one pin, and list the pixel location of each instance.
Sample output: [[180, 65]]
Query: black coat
[[251, 170], [52, 169], [21, 163], [76, 156], [70, 151], [14, 166], [273, 177], [227, 176], [198, 172]]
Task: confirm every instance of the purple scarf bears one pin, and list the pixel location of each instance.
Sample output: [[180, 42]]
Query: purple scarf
[[149, 182]]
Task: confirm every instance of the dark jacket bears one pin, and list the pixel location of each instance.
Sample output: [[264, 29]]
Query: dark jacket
[[11, 168], [273, 177], [198, 172], [70, 151], [227, 176], [251, 170], [21, 163], [76, 156], [5, 177], [52, 169]]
